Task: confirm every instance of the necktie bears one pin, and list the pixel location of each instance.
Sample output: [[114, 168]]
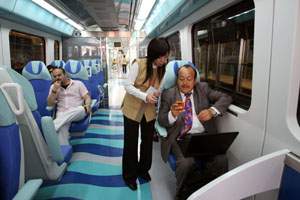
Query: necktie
[[188, 116]]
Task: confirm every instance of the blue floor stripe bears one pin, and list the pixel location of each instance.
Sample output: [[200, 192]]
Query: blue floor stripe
[[97, 135], [105, 142], [91, 192], [106, 122], [104, 181], [98, 150]]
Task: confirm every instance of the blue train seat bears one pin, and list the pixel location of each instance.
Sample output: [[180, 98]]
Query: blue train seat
[[12, 153], [37, 73], [97, 64], [76, 71], [58, 63], [97, 90], [100, 76], [44, 158], [61, 153], [168, 81], [276, 171], [87, 65]]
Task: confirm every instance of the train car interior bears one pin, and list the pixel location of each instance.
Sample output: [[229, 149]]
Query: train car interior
[[246, 50]]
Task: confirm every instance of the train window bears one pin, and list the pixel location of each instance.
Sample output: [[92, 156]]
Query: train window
[[175, 50], [223, 50], [25, 47], [56, 50]]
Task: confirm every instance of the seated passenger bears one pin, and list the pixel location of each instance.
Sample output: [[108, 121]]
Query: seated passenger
[[72, 102], [195, 115], [50, 68]]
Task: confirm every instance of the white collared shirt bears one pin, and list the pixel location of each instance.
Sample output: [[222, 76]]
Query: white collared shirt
[[70, 97], [197, 126], [129, 84]]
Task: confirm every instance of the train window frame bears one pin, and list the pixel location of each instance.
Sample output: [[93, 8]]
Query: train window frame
[[175, 46], [56, 50], [228, 34], [14, 45]]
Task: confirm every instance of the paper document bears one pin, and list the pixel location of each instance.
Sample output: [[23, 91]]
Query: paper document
[[151, 90]]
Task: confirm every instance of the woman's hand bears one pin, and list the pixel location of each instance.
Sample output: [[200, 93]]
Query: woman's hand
[[151, 98]]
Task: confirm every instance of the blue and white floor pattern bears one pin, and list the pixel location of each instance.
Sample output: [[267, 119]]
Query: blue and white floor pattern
[[95, 170]]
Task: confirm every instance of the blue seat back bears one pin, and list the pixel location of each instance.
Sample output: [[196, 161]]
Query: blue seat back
[[290, 181], [37, 73], [97, 63], [10, 152], [76, 71], [58, 63], [86, 63]]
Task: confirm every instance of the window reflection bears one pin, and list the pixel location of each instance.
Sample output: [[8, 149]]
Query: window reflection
[[223, 49], [56, 50], [24, 48], [175, 50]]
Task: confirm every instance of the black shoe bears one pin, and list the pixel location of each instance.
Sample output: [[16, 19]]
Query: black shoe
[[155, 137], [146, 177], [131, 184]]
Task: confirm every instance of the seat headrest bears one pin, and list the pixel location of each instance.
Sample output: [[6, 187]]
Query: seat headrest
[[6, 115], [86, 63], [28, 91], [94, 70], [36, 70], [58, 63], [74, 69], [170, 76]]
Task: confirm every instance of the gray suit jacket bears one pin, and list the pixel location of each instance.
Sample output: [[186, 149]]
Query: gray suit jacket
[[203, 96]]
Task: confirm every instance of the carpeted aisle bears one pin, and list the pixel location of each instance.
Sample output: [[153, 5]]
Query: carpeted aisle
[[95, 171]]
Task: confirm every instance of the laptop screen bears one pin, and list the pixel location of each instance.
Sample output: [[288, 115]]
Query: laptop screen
[[209, 144]]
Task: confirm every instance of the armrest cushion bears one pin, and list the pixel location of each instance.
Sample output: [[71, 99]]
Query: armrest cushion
[[51, 138], [50, 108], [28, 190], [93, 103], [160, 130], [254, 177]]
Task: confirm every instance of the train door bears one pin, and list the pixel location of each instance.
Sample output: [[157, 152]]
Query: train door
[[282, 127]]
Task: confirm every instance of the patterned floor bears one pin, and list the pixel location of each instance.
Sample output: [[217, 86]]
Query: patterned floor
[[95, 171]]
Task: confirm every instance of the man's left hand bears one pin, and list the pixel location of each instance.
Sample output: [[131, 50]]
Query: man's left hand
[[205, 115], [87, 109]]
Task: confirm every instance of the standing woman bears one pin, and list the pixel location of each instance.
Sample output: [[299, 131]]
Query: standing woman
[[139, 110]]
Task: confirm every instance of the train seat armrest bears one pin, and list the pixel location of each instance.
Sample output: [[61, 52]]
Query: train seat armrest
[[52, 139], [235, 110], [28, 190], [254, 177], [50, 108], [93, 103], [160, 130]]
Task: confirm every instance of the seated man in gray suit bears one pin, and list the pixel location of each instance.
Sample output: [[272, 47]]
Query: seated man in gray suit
[[186, 109]]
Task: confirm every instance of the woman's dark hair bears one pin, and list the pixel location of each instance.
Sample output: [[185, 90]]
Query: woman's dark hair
[[157, 47]]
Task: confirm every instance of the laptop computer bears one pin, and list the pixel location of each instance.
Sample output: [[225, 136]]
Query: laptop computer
[[202, 145]]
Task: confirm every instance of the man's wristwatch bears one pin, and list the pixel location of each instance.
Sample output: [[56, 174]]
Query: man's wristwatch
[[213, 112]]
